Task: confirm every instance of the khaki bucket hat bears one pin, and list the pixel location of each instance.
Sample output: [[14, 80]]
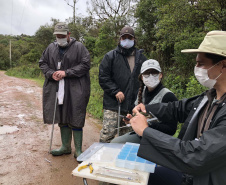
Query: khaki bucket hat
[[214, 43]]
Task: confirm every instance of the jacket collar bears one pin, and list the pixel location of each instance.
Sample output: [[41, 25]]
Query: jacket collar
[[190, 132], [211, 94], [126, 52]]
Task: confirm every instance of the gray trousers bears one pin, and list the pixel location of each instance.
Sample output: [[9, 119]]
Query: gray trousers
[[131, 137]]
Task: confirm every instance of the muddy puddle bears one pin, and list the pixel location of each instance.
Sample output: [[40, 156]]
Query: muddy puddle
[[5, 129]]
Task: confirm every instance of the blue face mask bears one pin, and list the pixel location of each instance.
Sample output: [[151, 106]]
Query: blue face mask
[[127, 43]]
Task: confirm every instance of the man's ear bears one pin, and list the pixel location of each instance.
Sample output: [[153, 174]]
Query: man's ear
[[160, 76], [224, 66]]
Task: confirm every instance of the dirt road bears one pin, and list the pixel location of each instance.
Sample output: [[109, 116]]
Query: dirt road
[[23, 152]]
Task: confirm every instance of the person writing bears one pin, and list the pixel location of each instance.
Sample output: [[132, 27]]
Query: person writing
[[200, 150], [151, 91]]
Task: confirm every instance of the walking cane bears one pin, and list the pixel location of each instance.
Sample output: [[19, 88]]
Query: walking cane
[[119, 113], [54, 114]]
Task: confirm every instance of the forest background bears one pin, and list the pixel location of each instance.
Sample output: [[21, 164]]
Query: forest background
[[162, 28]]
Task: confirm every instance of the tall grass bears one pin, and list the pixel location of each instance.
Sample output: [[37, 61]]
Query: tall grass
[[95, 105], [29, 72]]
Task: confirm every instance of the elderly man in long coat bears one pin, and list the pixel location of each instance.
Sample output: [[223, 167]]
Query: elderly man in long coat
[[65, 64]]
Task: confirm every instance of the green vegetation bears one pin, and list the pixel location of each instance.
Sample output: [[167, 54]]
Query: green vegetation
[[95, 105], [163, 28], [28, 72], [25, 71]]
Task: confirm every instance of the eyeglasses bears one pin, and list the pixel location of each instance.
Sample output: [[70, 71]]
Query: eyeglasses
[[147, 75], [59, 36], [127, 37]]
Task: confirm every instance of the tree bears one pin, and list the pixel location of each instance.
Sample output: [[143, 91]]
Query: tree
[[118, 12], [83, 27], [73, 6], [110, 9], [44, 35], [146, 19], [105, 42], [90, 45], [4, 57], [215, 11], [90, 25], [164, 26]]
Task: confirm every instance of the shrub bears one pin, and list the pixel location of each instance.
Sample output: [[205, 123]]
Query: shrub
[[26, 71]]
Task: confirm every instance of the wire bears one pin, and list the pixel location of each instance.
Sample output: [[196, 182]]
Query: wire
[[22, 14], [11, 19]]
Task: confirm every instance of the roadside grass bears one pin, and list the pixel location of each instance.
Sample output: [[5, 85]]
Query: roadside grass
[[30, 72]]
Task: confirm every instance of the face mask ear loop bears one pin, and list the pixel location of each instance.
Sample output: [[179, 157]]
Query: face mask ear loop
[[218, 76], [213, 66]]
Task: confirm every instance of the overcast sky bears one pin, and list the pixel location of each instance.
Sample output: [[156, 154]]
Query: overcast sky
[[26, 16]]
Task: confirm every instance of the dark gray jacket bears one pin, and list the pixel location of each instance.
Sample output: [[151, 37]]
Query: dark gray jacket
[[115, 75], [76, 63], [203, 158]]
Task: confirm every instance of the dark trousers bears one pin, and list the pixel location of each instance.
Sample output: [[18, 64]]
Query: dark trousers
[[165, 176]]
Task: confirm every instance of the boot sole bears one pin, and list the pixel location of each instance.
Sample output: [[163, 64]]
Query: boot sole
[[66, 153], [77, 160]]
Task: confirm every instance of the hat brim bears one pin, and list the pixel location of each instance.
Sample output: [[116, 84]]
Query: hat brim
[[145, 69], [201, 51], [127, 34], [60, 33]]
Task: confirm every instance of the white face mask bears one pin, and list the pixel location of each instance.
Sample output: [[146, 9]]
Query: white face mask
[[151, 81], [203, 78], [62, 41], [127, 43]]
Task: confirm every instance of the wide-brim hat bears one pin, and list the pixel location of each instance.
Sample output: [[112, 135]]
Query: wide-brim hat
[[214, 43], [150, 64], [61, 28]]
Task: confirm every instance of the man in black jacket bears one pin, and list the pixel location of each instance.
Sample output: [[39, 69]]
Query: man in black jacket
[[200, 150], [118, 77]]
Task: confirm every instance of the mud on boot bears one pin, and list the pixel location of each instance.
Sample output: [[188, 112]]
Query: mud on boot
[[66, 136]]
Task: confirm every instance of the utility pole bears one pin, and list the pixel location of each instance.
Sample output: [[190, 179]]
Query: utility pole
[[74, 2], [74, 12], [10, 56]]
